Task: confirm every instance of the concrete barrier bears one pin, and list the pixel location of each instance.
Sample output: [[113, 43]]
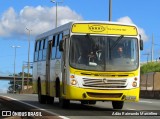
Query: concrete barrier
[[150, 85]]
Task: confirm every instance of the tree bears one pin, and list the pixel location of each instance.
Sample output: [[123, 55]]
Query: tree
[[18, 84], [25, 74], [11, 87], [150, 67]]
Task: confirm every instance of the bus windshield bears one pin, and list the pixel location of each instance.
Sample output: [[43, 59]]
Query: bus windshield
[[103, 53]]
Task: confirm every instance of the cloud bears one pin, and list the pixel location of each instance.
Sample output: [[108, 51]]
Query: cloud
[[127, 19], [39, 19]]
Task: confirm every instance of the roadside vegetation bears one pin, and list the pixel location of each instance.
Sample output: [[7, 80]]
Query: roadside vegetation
[[18, 84], [150, 67]]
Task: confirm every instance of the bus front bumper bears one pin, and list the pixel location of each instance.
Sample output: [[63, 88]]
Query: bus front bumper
[[76, 93]]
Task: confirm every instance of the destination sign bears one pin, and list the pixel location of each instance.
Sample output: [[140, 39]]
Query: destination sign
[[110, 29]]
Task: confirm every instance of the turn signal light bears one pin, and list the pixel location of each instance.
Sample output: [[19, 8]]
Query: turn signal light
[[135, 78], [72, 76]]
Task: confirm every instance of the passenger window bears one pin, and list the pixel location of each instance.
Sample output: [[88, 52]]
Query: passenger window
[[53, 47], [45, 43], [36, 51], [42, 42], [44, 48], [60, 37], [53, 41], [37, 46], [40, 51], [56, 39]]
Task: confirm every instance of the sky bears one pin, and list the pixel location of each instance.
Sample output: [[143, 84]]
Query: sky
[[39, 16]]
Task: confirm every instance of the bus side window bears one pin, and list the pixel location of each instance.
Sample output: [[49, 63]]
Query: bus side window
[[53, 47], [45, 43], [56, 42], [40, 50], [36, 51], [59, 38]]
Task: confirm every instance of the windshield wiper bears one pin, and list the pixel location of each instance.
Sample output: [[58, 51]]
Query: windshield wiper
[[88, 36], [117, 41]]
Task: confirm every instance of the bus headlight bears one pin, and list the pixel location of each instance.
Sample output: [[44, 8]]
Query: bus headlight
[[73, 82], [134, 84]]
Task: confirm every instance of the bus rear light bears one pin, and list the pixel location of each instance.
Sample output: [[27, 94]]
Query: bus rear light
[[134, 84], [73, 82]]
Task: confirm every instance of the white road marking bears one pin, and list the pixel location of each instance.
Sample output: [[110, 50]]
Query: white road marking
[[130, 109], [63, 117], [145, 101]]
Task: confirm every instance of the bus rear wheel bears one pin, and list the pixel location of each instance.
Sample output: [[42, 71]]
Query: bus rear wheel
[[41, 98], [50, 100], [117, 104]]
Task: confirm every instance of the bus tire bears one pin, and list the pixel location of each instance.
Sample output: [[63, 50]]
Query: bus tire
[[50, 100], [117, 104], [92, 102], [84, 102], [57, 87], [64, 103], [41, 98]]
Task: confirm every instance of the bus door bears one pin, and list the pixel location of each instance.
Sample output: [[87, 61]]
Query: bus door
[[64, 67], [48, 58]]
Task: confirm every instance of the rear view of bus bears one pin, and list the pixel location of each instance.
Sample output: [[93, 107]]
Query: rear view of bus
[[99, 62]]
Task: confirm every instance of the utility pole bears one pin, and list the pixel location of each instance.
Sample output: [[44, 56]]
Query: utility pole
[[110, 10], [29, 33], [152, 49], [54, 1], [14, 84]]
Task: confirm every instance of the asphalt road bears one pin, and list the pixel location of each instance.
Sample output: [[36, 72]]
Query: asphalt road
[[144, 109]]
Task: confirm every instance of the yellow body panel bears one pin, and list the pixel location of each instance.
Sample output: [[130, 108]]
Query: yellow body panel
[[43, 87], [34, 83], [102, 74], [75, 93], [52, 89]]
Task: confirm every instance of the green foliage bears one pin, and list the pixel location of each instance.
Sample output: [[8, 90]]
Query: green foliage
[[25, 74], [21, 73], [150, 67], [18, 84]]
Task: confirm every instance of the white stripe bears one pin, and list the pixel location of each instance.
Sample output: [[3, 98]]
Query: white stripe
[[36, 107], [130, 109], [63, 117], [146, 101]]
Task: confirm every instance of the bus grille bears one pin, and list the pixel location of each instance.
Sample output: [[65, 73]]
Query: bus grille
[[105, 83], [104, 95]]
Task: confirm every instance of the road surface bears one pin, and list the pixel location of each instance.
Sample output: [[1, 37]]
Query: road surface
[[102, 110]]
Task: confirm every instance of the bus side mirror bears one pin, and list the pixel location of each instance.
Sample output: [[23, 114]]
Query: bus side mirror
[[61, 46], [141, 44]]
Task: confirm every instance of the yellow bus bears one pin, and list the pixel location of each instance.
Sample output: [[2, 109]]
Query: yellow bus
[[88, 61]]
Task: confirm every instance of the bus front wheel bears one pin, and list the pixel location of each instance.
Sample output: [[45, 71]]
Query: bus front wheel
[[64, 103], [117, 104], [91, 102]]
